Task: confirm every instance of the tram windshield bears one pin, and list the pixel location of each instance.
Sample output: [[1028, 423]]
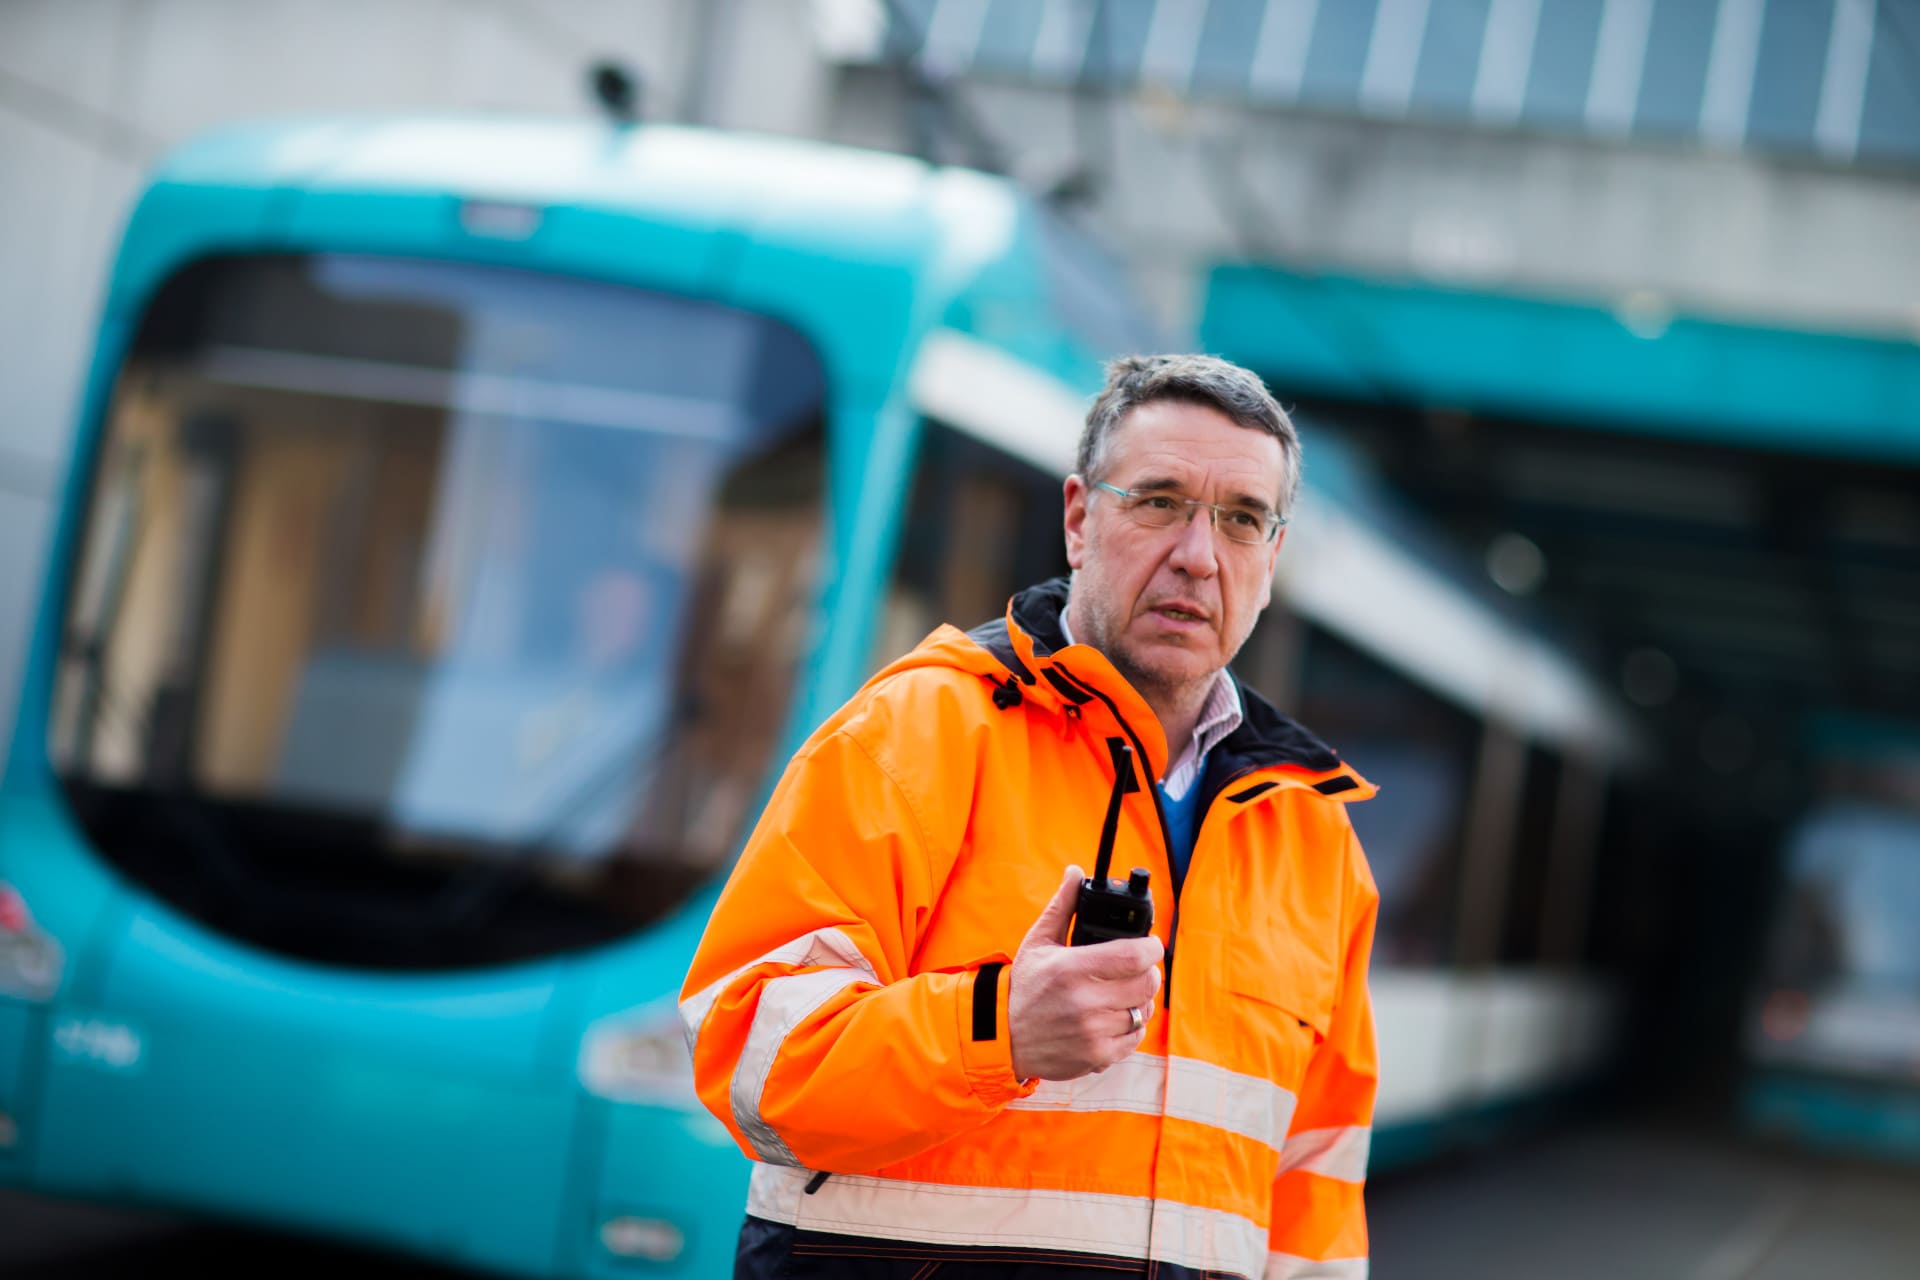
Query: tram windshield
[[432, 614], [1844, 963]]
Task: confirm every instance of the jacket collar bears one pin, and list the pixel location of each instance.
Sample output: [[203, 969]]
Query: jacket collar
[[1028, 644]]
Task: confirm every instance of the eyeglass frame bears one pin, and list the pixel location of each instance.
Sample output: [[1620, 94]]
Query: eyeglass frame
[[1276, 521]]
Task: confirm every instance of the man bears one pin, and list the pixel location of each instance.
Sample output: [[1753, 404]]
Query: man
[[883, 1011]]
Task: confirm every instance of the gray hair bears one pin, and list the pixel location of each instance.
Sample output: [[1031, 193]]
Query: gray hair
[[1203, 380]]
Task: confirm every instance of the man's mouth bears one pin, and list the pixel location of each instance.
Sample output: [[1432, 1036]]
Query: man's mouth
[[1180, 613]]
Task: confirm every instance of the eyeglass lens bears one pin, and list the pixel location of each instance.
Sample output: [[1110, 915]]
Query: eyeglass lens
[[1159, 511]]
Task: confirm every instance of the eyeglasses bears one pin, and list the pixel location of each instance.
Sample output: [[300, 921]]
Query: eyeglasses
[[1157, 509]]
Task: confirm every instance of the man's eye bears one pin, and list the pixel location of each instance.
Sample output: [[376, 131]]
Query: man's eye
[[1157, 502], [1245, 519]]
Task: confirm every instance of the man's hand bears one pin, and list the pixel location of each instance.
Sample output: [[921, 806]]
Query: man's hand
[[1067, 1010]]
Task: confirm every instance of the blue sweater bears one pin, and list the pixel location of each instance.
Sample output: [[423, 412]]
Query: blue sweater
[[1183, 827]]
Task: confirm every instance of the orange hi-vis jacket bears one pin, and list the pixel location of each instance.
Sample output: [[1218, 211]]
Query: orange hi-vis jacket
[[847, 1007]]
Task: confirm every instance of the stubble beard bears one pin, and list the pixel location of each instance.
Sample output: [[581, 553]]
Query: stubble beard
[[1157, 690]]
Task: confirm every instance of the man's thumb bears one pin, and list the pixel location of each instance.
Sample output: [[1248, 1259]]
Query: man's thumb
[[1051, 928]]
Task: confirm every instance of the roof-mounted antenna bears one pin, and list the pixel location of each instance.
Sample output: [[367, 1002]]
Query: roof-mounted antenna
[[617, 90]]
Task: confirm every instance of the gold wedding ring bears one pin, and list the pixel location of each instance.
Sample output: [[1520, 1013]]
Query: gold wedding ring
[[1138, 1021]]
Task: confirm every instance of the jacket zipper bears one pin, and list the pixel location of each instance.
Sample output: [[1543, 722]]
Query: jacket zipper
[[1152, 788], [1166, 836]]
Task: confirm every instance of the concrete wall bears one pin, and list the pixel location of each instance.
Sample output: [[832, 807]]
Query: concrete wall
[[1723, 232]]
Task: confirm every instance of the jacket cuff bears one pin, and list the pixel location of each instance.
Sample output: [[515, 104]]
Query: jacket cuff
[[986, 1047]]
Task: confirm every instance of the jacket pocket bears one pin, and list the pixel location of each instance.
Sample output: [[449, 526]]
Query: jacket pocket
[[1281, 1001]]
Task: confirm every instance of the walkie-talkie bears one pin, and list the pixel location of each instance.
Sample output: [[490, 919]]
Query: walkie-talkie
[[1110, 909]]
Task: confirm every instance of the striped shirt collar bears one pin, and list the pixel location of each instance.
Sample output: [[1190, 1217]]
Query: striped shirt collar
[[1220, 715]]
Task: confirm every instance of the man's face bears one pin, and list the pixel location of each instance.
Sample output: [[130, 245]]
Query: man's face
[[1170, 607]]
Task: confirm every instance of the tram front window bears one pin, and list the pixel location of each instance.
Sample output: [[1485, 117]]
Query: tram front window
[[1842, 988], [432, 614]]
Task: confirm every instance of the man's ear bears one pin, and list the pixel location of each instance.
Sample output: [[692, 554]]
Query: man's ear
[[1075, 494]]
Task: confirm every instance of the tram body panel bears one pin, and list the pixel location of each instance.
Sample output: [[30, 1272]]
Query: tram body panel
[[255, 1087], [1458, 1049]]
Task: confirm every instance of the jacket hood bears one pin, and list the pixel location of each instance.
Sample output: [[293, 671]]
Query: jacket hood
[[1027, 659]]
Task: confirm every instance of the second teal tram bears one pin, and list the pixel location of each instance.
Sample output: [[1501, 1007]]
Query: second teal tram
[[1833, 1026], [465, 519]]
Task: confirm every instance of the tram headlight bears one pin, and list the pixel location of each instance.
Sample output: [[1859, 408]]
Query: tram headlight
[[14, 916], [1784, 1015], [653, 1239], [30, 960], [638, 1057]]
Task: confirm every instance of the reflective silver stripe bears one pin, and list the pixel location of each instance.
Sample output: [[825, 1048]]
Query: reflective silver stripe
[[836, 961], [1284, 1266], [1136, 1083], [1080, 1221], [1198, 1091], [784, 1004], [1248, 1105], [821, 947], [774, 1193], [1332, 1153]]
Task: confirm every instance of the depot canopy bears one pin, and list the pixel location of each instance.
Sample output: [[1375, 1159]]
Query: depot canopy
[[1635, 366]]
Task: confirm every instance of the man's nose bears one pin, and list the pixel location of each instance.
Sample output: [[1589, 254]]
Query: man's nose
[[1193, 553]]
